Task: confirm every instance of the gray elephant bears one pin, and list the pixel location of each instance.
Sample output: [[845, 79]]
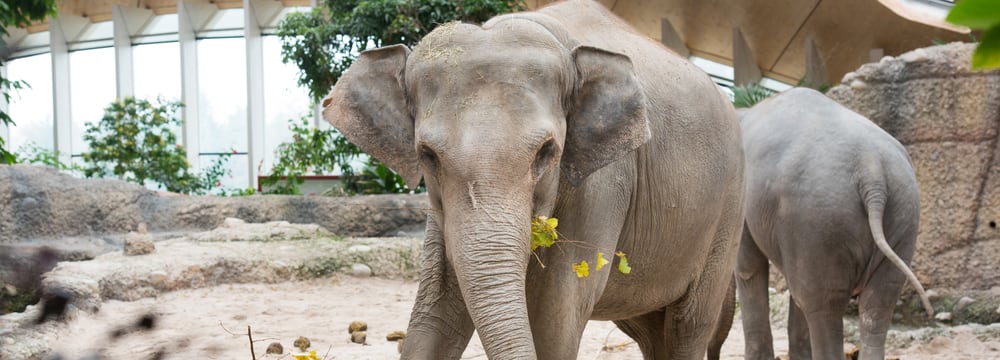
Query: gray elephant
[[832, 202], [565, 112]]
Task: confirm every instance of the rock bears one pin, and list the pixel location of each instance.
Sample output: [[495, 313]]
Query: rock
[[963, 302], [396, 336], [361, 270], [44, 203], [138, 244], [998, 310], [946, 116], [357, 326], [232, 222], [275, 348], [359, 249], [10, 289], [302, 343], [943, 316], [359, 337], [158, 279]]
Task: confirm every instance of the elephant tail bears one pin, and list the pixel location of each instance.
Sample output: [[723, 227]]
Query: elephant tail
[[875, 205]]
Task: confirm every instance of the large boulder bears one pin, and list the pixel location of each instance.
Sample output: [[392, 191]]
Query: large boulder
[[948, 117], [39, 203]]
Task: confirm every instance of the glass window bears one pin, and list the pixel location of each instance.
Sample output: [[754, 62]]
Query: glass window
[[284, 100], [222, 107], [92, 88], [157, 71], [31, 108], [237, 174]]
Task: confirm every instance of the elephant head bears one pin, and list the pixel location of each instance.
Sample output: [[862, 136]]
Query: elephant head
[[494, 119]]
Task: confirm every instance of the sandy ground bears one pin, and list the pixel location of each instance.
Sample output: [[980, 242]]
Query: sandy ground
[[211, 323]]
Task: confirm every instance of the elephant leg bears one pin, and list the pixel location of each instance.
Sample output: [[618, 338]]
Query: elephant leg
[[647, 331], [690, 323], [440, 326], [826, 332], [560, 303], [798, 332], [875, 307], [751, 281], [725, 322], [557, 325]]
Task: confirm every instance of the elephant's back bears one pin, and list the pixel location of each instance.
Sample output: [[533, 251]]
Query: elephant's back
[[809, 163], [686, 181]]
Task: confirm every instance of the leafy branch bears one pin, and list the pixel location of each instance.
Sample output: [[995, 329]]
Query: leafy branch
[[985, 15], [17, 14], [544, 234]]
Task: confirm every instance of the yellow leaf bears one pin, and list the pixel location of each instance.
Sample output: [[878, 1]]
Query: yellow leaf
[[582, 269], [601, 261], [623, 263]]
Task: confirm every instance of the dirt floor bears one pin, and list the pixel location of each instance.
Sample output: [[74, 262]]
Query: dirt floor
[[211, 323]]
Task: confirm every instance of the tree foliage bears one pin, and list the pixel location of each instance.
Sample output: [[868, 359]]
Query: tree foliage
[[15, 14], [745, 96], [135, 142], [985, 15], [311, 150], [324, 42]]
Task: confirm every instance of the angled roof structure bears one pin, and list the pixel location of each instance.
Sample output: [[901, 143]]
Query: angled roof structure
[[845, 33]]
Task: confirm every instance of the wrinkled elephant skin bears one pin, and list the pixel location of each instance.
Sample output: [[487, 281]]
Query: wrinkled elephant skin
[[832, 202], [567, 113]]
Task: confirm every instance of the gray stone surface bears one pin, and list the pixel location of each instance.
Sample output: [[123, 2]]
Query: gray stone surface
[[948, 117], [41, 203], [138, 243]]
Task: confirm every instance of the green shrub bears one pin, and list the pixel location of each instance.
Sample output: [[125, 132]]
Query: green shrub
[[135, 142]]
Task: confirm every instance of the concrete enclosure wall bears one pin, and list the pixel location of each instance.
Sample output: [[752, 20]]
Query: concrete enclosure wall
[[948, 117]]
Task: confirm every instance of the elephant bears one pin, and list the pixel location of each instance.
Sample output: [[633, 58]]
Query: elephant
[[832, 202], [563, 112]]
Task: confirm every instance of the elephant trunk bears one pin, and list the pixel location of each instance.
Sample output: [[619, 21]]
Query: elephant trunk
[[488, 247]]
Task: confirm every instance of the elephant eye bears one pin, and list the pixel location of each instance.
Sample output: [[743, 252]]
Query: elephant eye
[[545, 157], [429, 160]]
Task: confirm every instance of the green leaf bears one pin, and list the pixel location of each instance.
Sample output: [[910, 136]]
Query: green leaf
[[582, 269], [543, 232], [623, 263], [978, 14], [987, 54]]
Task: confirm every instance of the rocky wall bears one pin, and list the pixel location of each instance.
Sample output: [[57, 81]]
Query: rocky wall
[[948, 117], [40, 203]]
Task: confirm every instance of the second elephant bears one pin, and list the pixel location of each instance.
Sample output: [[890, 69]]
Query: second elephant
[[832, 202]]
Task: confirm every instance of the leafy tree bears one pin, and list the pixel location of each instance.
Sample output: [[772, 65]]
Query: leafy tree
[[31, 153], [985, 15], [17, 13], [311, 150], [135, 142], [314, 150], [324, 42]]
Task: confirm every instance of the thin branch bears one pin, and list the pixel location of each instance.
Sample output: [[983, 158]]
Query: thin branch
[[253, 354]]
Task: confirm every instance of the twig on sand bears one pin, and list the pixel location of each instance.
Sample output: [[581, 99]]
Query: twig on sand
[[607, 347], [253, 355]]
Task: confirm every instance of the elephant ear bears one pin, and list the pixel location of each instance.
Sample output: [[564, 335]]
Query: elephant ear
[[608, 115], [368, 106]]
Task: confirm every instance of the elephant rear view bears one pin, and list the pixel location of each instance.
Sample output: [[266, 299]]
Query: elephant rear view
[[832, 202]]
